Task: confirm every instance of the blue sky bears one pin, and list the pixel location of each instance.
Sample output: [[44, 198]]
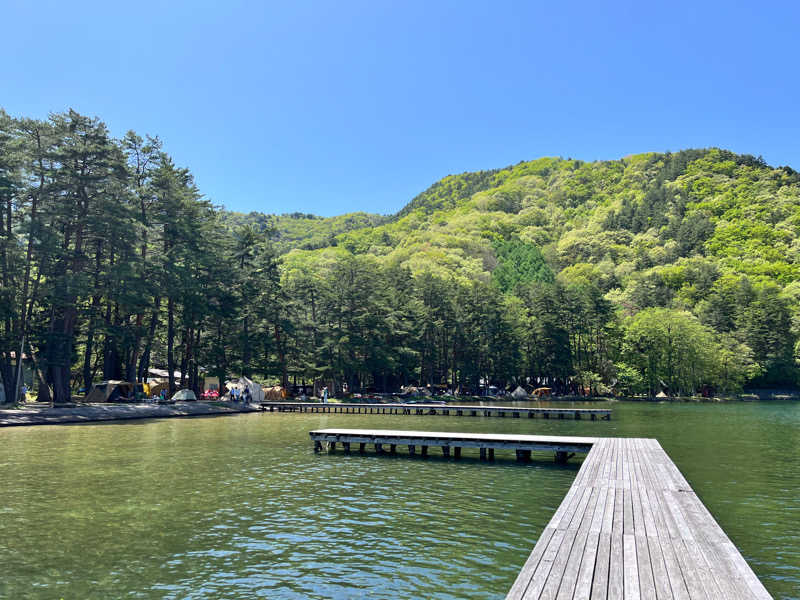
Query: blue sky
[[330, 107]]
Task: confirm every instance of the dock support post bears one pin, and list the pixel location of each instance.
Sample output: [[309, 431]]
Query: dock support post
[[331, 446], [362, 447], [317, 446], [519, 455], [577, 416], [530, 414], [483, 453], [516, 415], [446, 451], [411, 449], [562, 457], [378, 447], [346, 446], [546, 415], [491, 453], [424, 451], [393, 448], [473, 413], [594, 417], [457, 451]]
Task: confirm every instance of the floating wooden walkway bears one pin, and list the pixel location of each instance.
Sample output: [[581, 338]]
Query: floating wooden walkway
[[440, 409], [487, 443], [630, 526]]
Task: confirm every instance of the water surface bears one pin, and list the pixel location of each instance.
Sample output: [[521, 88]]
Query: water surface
[[241, 507]]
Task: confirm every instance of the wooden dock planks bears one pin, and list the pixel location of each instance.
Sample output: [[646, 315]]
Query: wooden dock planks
[[648, 536]]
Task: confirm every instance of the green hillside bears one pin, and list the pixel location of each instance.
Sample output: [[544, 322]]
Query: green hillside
[[652, 216], [706, 233]]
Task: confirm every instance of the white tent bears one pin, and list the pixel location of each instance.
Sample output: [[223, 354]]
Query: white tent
[[519, 393], [256, 393]]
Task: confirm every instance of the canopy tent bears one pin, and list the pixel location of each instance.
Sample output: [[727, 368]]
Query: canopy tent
[[542, 391], [163, 374], [184, 395]]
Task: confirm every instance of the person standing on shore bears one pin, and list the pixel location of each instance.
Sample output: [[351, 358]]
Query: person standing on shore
[[325, 395]]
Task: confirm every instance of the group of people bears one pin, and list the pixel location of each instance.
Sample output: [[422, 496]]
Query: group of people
[[243, 396]]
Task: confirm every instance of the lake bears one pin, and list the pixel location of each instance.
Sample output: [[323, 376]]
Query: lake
[[241, 507]]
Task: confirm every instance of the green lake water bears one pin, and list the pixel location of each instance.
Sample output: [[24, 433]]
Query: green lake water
[[241, 507]]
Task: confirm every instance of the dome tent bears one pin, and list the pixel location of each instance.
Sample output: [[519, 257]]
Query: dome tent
[[519, 393], [184, 395]]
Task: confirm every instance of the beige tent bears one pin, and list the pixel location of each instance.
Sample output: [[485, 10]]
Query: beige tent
[[275, 393], [113, 391], [155, 388]]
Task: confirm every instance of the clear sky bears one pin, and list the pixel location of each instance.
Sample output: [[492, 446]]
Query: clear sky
[[336, 106]]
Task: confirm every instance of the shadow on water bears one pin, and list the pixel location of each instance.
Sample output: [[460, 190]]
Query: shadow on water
[[502, 458]]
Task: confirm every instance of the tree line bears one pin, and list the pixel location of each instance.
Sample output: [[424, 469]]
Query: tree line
[[113, 262]]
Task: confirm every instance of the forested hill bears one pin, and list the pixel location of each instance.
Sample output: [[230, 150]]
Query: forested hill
[[648, 217], [301, 230], [655, 272], [707, 233]]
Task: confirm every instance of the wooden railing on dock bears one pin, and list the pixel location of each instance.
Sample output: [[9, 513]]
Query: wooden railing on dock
[[630, 525], [439, 409]]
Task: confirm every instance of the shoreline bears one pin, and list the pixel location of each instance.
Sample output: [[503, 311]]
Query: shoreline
[[95, 413]]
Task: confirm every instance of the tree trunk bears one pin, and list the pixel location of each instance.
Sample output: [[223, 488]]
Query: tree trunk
[[281, 356], [170, 344], [245, 348], [144, 363]]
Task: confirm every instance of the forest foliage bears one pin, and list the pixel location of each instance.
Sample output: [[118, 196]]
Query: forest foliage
[[674, 272]]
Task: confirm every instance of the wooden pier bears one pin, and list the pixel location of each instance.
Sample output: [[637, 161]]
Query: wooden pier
[[630, 526], [486, 443], [440, 409]]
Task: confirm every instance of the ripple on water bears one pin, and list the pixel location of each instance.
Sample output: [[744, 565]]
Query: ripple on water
[[242, 508]]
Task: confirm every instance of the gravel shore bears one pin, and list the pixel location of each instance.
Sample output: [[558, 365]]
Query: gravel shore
[[41, 414]]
